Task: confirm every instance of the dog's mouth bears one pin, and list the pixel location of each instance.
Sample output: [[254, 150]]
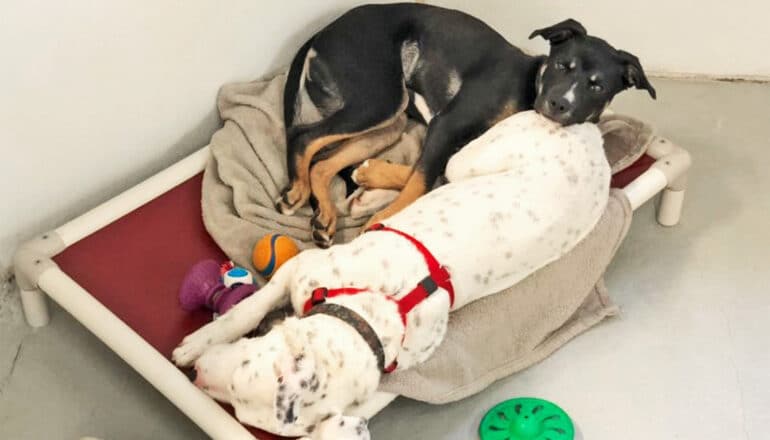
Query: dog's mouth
[[559, 119], [553, 111]]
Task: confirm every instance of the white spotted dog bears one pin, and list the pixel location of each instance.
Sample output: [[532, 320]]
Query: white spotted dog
[[519, 197]]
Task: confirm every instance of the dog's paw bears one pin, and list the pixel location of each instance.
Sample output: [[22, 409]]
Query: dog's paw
[[290, 200], [339, 427], [194, 344], [359, 175], [323, 229]]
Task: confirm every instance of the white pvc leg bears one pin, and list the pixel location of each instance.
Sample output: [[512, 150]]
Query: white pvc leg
[[35, 307], [142, 357], [670, 210]]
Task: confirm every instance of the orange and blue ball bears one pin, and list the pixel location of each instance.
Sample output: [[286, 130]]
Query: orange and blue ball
[[271, 252]]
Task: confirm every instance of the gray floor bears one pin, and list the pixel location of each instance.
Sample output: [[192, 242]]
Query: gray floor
[[687, 359]]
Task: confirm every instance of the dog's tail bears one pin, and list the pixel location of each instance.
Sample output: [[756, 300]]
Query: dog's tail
[[291, 90]]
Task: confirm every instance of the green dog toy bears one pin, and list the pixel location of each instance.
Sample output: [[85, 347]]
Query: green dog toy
[[526, 419]]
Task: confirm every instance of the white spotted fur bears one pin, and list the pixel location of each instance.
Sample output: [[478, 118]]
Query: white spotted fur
[[519, 197]]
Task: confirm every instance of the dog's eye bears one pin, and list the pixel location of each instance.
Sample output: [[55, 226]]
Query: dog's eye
[[561, 66], [596, 88]]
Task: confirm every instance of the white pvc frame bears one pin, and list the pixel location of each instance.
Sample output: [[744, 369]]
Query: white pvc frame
[[38, 275]]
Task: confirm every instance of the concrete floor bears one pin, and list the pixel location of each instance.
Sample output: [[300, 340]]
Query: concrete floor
[[687, 359]]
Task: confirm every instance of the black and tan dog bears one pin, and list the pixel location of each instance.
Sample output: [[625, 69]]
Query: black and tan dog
[[376, 63]]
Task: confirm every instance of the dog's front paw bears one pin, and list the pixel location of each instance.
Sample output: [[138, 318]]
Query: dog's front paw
[[359, 174], [339, 427], [194, 344], [291, 199], [323, 229]]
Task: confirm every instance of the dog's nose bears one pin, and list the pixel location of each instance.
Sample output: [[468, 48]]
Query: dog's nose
[[558, 107], [191, 374]]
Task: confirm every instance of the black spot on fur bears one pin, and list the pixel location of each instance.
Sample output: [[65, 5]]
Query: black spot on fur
[[246, 362], [290, 417]]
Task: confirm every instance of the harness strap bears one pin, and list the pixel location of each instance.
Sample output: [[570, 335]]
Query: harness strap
[[438, 278], [319, 295]]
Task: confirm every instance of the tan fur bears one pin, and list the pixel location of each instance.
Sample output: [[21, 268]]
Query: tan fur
[[381, 174], [414, 188], [300, 188], [508, 109], [299, 193], [351, 152]]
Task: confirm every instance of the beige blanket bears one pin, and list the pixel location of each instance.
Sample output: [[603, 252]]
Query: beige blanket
[[518, 327]]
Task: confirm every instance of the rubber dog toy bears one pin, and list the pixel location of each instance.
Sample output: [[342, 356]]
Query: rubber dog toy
[[237, 275], [203, 287], [271, 251], [526, 419]]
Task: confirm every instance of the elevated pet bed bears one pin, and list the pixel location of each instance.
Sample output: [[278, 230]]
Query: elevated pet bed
[[117, 268]]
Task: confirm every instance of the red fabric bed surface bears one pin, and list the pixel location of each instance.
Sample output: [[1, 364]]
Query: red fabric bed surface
[[135, 265], [623, 178]]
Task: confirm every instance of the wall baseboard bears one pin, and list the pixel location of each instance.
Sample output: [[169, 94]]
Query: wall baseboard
[[757, 79]]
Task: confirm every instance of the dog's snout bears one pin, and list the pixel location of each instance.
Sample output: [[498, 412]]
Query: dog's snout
[[558, 106]]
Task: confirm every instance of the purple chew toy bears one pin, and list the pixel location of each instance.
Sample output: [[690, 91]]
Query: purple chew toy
[[203, 287]]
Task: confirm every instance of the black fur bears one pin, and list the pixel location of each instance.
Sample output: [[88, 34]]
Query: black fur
[[357, 77]]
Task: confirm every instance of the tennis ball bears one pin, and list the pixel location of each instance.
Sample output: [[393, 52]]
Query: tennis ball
[[271, 251]]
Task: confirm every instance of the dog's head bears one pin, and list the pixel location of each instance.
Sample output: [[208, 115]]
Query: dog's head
[[271, 381], [582, 74]]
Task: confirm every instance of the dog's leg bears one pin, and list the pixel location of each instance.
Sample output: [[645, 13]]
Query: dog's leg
[[415, 187], [358, 116], [324, 221], [381, 174], [459, 123], [241, 319], [300, 151]]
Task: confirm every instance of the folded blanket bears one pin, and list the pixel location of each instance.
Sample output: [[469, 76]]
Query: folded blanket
[[248, 171]]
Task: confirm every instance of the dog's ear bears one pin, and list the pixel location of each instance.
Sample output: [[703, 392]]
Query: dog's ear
[[561, 32], [633, 74]]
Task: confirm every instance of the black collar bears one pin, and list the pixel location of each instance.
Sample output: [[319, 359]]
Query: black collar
[[358, 323]]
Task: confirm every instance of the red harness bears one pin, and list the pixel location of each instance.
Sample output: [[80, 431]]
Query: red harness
[[438, 277]]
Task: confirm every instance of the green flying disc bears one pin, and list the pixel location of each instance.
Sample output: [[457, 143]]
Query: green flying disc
[[526, 419]]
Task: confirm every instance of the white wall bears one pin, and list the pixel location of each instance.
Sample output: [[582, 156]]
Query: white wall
[[97, 95], [715, 38]]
